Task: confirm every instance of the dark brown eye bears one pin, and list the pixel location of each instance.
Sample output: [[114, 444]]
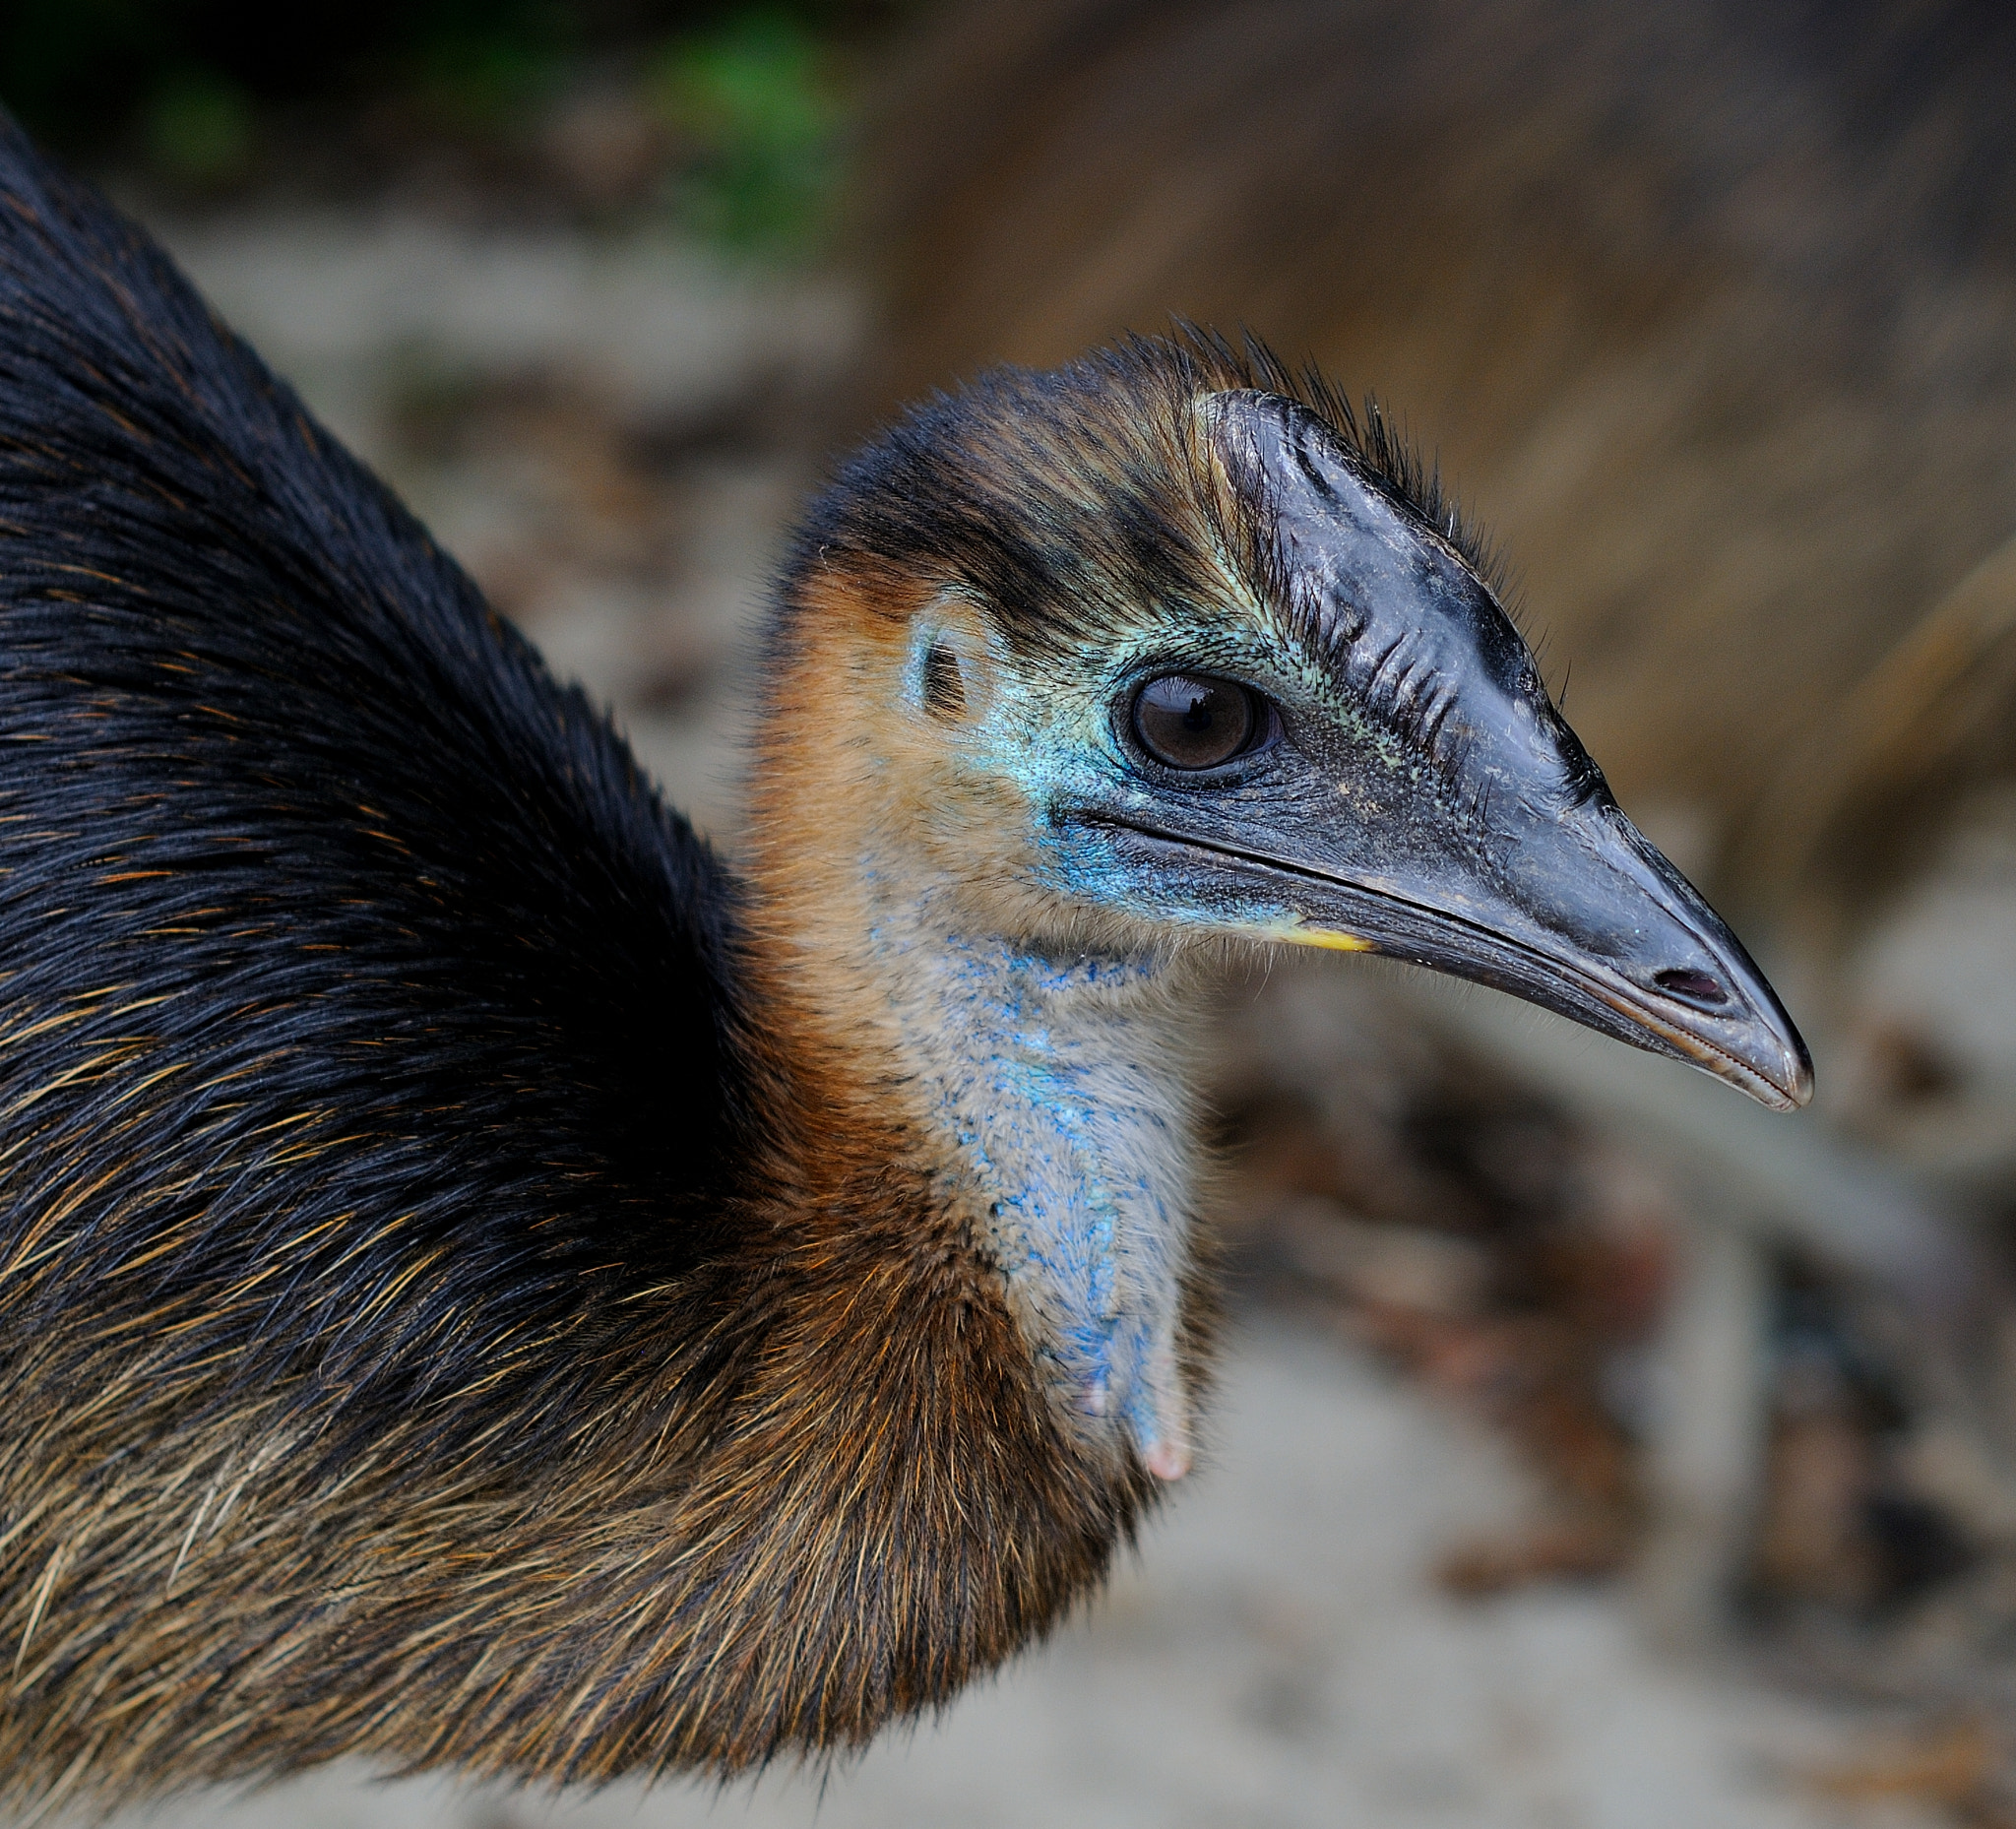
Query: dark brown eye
[[1190, 720]]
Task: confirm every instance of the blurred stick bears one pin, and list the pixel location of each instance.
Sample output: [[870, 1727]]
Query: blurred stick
[[1787, 1179], [1759, 1180], [1911, 720], [1706, 1468]]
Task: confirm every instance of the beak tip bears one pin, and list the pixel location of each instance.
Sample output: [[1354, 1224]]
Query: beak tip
[[1788, 1085], [1798, 1083]]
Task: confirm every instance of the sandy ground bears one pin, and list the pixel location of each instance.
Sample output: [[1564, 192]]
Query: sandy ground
[[1276, 1655]]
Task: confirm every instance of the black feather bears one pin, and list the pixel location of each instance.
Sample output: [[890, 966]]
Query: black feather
[[322, 899]]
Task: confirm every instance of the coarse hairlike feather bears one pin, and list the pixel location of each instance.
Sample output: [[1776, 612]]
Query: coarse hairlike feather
[[974, 481], [483, 1283], [417, 1336]]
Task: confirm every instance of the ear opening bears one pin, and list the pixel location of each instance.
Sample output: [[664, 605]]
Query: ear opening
[[944, 688], [951, 662]]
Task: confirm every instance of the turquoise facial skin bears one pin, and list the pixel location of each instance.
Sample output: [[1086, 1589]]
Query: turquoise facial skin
[[1057, 1076]]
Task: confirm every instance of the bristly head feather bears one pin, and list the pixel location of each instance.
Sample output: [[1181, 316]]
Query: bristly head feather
[[1384, 452], [1069, 500]]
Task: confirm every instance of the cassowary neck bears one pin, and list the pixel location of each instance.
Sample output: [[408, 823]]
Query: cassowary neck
[[1054, 1088], [1038, 1091]]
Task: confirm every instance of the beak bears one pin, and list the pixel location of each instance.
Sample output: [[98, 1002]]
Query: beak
[[1590, 922], [1420, 796]]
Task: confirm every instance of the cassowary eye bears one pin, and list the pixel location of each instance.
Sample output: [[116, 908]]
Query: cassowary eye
[[1190, 720]]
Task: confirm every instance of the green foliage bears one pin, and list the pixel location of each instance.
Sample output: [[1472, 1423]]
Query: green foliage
[[478, 65], [756, 100], [199, 128], [751, 96]]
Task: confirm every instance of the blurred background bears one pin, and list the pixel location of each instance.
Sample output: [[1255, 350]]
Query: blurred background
[[1595, 1449]]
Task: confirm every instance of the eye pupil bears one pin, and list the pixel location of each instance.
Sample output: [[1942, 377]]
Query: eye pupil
[[1189, 721]]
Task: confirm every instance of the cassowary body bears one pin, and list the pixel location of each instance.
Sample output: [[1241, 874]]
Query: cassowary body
[[484, 1285]]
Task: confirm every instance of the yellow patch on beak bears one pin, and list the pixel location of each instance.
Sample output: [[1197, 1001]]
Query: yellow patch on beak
[[1297, 933]]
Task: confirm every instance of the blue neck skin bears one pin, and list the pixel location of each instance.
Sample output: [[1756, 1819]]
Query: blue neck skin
[[1059, 1087]]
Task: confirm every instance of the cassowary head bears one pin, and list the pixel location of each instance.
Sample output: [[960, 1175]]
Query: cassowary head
[[1164, 647]]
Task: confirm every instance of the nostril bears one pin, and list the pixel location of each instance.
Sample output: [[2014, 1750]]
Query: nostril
[[1694, 986]]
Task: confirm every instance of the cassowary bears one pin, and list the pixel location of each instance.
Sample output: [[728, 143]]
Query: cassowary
[[483, 1283]]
